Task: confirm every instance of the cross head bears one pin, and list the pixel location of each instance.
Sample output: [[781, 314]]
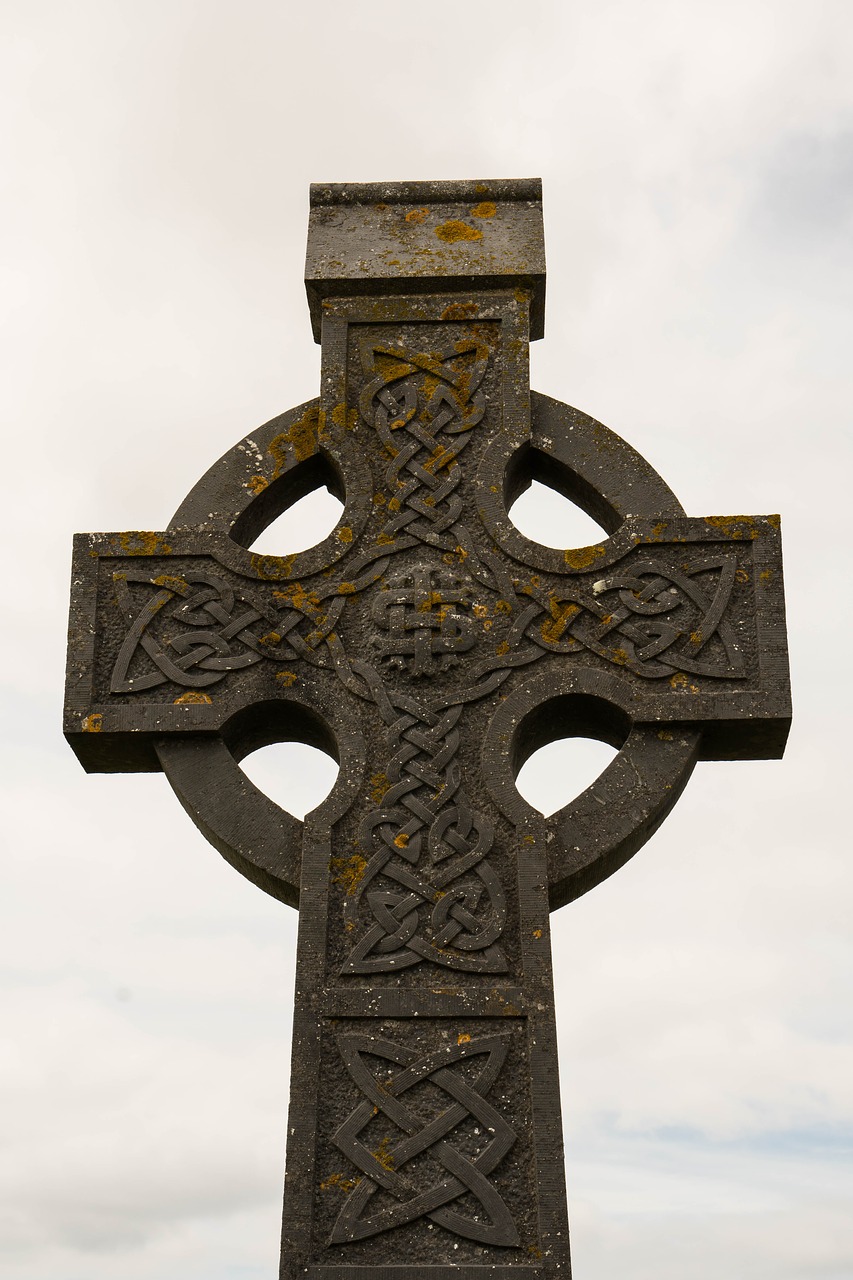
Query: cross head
[[430, 647]]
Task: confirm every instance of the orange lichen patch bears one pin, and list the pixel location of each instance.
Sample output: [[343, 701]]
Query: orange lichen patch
[[143, 544], [171, 583], [193, 697], [460, 311], [742, 575], [272, 568], [664, 735], [295, 594], [660, 528], [93, 723], [257, 484], [393, 504], [417, 215], [298, 442], [346, 419], [503, 606], [537, 933], [344, 533], [734, 527], [348, 872], [562, 614], [402, 840], [766, 575], [379, 784], [383, 539], [619, 656], [485, 209], [680, 682], [528, 839], [383, 1155], [775, 522], [286, 678], [582, 557], [452, 231], [338, 1182], [502, 648], [696, 637], [347, 588], [379, 499], [463, 1039]]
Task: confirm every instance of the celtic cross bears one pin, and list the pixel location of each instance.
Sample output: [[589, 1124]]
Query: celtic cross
[[430, 647]]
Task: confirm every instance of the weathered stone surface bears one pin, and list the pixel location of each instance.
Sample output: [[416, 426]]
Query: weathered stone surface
[[430, 647]]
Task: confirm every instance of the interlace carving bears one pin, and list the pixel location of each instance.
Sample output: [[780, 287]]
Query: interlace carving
[[468, 1113], [423, 408], [654, 620], [444, 902], [205, 630]]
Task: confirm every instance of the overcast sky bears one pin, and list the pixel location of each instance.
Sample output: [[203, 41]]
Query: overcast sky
[[697, 161]]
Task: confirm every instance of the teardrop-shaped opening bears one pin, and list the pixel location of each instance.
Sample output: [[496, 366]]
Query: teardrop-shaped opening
[[293, 775], [545, 516], [303, 525], [555, 774], [553, 505], [563, 745], [296, 511]]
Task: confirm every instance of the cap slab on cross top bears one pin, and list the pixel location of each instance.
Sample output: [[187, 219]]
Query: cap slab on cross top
[[430, 647]]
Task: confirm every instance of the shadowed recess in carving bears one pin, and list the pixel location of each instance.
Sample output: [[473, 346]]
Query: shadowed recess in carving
[[293, 775], [545, 516]]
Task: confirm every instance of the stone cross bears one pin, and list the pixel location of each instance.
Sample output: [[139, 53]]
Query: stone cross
[[430, 647]]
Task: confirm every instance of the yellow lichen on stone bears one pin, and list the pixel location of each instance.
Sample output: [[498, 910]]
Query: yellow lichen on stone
[[346, 419], [193, 697], [93, 723], [452, 231], [286, 678], [171, 583], [383, 1155], [459, 311], [582, 557], [348, 872], [339, 1183], [257, 484], [417, 215], [143, 544], [379, 784], [298, 442], [485, 209], [734, 527]]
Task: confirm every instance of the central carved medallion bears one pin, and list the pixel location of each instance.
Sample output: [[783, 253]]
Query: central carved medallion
[[425, 615]]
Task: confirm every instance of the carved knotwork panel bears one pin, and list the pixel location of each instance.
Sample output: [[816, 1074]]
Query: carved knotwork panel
[[425, 1144]]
